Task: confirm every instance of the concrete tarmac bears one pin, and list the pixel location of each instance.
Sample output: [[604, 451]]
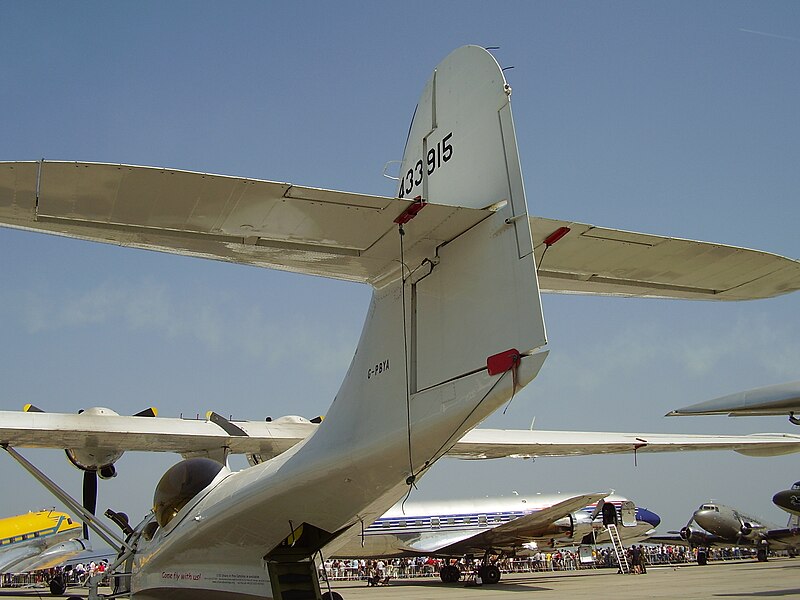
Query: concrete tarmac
[[736, 579], [777, 578]]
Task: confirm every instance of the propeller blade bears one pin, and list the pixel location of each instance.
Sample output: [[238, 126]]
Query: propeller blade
[[89, 496]]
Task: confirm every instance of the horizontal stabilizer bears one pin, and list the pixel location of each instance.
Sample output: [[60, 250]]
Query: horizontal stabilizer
[[584, 259], [344, 235], [262, 223]]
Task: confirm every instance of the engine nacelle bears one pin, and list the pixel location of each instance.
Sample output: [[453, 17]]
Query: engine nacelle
[[686, 534], [100, 460]]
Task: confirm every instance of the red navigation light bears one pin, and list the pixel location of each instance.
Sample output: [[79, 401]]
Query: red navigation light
[[556, 235], [411, 211]]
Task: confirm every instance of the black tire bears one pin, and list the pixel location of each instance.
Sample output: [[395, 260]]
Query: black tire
[[761, 554], [702, 558], [490, 574], [332, 596], [58, 586]]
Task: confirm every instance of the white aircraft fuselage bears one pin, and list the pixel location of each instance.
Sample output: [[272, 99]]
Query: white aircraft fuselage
[[407, 530]]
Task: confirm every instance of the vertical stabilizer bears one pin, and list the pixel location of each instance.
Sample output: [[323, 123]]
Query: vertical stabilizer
[[482, 297]]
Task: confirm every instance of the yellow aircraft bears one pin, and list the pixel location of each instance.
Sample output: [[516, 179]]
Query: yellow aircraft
[[40, 540]]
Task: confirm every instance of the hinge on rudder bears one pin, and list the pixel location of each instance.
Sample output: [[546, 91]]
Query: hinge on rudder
[[503, 361], [411, 211]]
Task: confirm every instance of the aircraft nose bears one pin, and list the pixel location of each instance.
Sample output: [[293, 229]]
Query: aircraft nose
[[648, 516]]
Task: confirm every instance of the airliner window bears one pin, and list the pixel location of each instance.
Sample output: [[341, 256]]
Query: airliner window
[[401, 524], [435, 523], [796, 486], [69, 521], [482, 520]]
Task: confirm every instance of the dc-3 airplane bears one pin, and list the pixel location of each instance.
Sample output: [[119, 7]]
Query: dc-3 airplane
[[779, 399], [721, 525], [40, 540], [500, 526], [454, 329]]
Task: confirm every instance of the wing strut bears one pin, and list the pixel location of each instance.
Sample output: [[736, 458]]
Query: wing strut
[[106, 533]]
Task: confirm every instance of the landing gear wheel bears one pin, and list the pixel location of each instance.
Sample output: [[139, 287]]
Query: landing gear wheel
[[490, 574], [762, 555], [449, 574], [332, 596], [58, 585]]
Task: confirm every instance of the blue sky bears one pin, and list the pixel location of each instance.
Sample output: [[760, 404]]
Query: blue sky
[[672, 118]]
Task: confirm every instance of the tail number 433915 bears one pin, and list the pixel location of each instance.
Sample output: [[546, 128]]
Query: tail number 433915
[[435, 157]]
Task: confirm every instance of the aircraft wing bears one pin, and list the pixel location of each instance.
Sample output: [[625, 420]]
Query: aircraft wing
[[783, 537], [235, 219], [612, 262], [354, 236], [501, 443], [196, 437], [780, 399], [506, 536], [188, 437], [517, 532]]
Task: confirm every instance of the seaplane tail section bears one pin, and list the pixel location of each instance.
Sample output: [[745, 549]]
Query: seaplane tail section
[[454, 328]]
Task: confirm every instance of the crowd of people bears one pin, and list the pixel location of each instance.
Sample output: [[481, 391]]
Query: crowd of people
[[380, 571], [74, 575]]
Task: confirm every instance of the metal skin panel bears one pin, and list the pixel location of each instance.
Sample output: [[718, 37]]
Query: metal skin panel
[[611, 262]]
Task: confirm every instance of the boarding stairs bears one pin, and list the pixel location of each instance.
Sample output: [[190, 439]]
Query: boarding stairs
[[619, 549]]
